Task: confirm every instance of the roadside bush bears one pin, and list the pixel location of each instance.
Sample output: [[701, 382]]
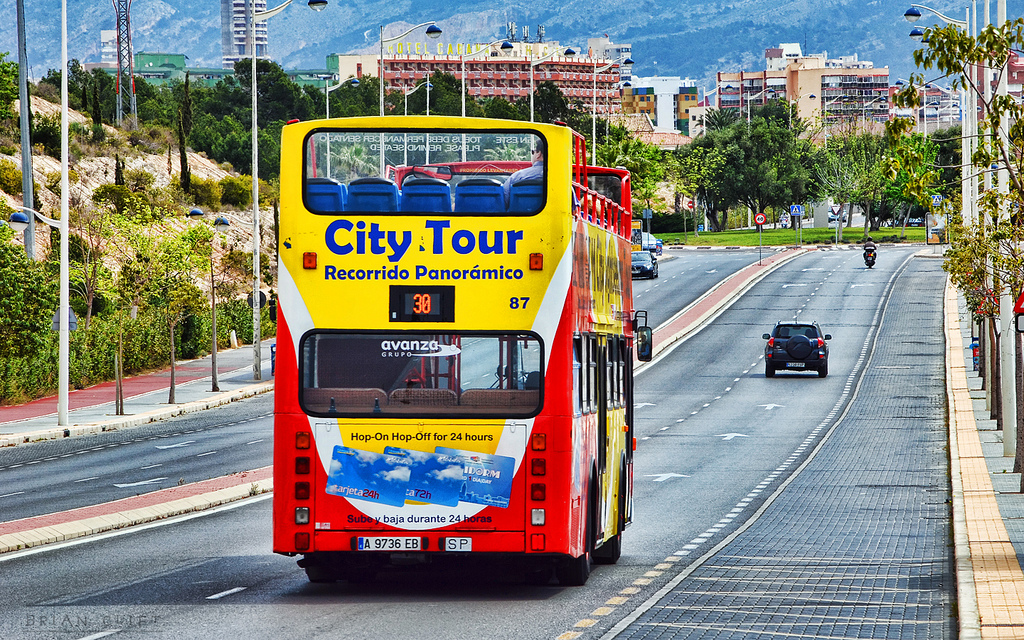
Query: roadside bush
[[10, 177], [206, 193], [236, 191]]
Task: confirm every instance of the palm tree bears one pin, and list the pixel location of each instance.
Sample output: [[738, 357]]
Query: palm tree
[[716, 119]]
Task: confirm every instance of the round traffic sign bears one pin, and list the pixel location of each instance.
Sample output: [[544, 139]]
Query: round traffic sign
[[760, 219]]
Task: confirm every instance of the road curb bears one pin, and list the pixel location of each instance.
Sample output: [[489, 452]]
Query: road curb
[[109, 517], [123, 422], [967, 595]]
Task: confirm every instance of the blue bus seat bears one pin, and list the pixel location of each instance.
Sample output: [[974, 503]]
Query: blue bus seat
[[325, 195], [431, 195], [372, 194], [480, 195], [526, 196]]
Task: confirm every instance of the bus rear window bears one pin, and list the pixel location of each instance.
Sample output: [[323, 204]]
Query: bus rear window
[[420, 374], [474, 173]]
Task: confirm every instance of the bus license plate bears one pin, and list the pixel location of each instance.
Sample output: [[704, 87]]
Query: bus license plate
[[795, 365], [458, 544], [389, 544]]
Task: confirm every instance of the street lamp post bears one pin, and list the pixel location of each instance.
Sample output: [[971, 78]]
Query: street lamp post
[[627, 62], [506, 46], [254, 17], [569, 52], [327, 94], [789, 111], [220, 225], [408, 93], [433, 32], [19, 221]]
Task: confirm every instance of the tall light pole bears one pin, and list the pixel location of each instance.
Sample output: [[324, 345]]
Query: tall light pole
[[433, 32], [27, 184], [968, 118], [627, 62], [789, 110], [19, 221], [220, 225], [327, 91], [254, 17], [506, 46], [327, 94], [64, 322], [568, 53]]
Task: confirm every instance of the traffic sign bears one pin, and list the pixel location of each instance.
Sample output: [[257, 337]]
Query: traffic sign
[[796, 210], [689, 205], [936, 199], [760, 219]]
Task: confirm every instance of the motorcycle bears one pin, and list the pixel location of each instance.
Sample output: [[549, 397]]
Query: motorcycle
[[869, 257]]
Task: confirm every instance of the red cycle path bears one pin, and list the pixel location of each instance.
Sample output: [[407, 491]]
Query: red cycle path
[[152, 499], [104, 393]]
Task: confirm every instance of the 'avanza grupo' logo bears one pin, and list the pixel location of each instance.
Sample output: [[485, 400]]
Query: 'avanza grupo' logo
[[408, 348]]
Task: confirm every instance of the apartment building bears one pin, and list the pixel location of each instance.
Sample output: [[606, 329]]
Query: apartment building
[[667, 101], [823, 89]]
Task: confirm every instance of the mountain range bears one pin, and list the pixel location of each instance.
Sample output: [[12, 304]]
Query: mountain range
[[688, 38]]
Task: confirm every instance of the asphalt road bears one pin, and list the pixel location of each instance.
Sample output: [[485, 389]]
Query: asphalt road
[[57, 475], [683, 276], [716, 440]]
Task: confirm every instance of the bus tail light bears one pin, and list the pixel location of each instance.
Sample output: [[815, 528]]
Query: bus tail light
[[536, 262], [302, 491], [302, 440], [309, 260], [302, 465], [302, 541], [537, 517], [301, 515], [539, 442], [538, 467], [537, 542], [538, 491]]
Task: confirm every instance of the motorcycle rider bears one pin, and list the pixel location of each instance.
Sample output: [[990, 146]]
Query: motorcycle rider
[[869, 248]]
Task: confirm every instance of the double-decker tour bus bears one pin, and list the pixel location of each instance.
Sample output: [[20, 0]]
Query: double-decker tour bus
[[455, 348]]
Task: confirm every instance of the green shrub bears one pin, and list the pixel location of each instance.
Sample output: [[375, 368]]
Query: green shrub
[[10, 177], [236, 191], [206, 193]]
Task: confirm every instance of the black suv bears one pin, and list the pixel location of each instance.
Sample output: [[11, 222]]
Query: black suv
[[796, 346]]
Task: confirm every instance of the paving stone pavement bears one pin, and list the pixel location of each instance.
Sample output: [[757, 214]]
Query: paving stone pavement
[[859, 544]]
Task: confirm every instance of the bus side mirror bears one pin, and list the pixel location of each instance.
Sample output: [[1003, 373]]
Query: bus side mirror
[[644, 344]]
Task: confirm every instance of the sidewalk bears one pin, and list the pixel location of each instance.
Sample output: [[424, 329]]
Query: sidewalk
[[91, 410], [988, 508]]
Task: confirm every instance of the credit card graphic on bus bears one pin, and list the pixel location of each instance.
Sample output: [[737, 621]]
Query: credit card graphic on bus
[[370, 476], [433, 477], [488, 477]]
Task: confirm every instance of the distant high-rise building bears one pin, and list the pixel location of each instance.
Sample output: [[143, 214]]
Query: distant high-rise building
[[605, 48], [827, 89], [108, 48], [235, 40]]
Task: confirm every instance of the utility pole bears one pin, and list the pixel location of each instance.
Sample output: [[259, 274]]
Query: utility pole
[[27, 184]]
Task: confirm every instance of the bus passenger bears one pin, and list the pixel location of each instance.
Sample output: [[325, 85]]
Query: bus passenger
[[536, 170]]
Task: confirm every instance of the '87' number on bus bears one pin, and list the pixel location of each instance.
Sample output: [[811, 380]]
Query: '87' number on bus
[[517, 303]]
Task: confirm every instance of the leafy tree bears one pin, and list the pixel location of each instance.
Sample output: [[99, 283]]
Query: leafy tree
[[8, 87], [184, 122], [28, 298]]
